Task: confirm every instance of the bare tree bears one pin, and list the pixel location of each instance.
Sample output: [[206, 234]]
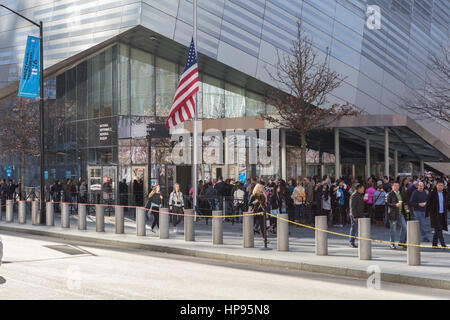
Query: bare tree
[[432, 101], [304, 82], [19, 132]]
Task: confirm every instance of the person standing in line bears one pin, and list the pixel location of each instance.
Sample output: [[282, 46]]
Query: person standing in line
[[356, 212], [326, 201], [257, 204], [176, 205], [436, 208], [417, 201], [368, 200], [309, 192], [83, 192], [394, 202], [379, 203], [340, 204], [299, 197], [154, 202]]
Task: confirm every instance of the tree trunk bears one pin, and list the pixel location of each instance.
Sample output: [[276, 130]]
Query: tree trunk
[[22, 174], [303, 154]]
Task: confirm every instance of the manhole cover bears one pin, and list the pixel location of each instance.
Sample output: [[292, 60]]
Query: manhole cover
[[67, 249]]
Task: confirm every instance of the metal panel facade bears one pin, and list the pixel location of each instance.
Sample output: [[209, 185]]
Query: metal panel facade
[[380, 65]]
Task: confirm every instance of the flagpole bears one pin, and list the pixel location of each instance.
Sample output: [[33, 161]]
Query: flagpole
[[194, 167]]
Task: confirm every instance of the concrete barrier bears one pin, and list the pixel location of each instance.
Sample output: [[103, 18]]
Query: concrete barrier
[[35, 214], [413, 237], [189, 231], [365, 246], [99, 218], [164, 223], [321, 236], [50, 214], [81, 216], [217, 227], [247, 231], [119, 219], [65, 218], [140, 222], [9, 210], [22, 212], [283, 233]]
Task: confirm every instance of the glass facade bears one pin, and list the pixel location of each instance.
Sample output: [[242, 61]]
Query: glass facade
[[98, 112]]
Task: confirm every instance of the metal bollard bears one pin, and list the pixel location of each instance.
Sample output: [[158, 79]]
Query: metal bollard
[[413, 237], [189, 232], [321, 236], [81, 216], [65, 219], [9, 211], [140, 222], [365, 246], [49, 214], [247, 231], [35, 214], [22, 212], [217, 227], [119, 218], [99, 218], [283, 233], [164, 223]]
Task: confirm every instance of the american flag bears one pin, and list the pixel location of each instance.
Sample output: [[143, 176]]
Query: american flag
[[183, 106]]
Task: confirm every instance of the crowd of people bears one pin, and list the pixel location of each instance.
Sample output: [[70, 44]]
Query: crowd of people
[[386, 201]]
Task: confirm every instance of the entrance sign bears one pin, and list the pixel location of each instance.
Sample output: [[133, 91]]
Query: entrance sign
[[29, 79]]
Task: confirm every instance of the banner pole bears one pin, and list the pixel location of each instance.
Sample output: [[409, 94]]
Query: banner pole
[[194, 167]]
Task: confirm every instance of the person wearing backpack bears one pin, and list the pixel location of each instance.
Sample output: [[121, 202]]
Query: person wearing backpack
[[299, 197]]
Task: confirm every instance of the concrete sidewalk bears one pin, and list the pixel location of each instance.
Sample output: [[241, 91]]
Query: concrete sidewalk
[[341, 261]]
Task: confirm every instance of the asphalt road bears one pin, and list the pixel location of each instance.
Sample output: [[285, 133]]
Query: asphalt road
[[44, 268]]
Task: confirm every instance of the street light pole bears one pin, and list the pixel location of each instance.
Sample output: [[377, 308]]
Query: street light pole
[[40, 25]]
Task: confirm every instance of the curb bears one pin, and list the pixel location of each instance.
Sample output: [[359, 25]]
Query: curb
[[299, 266]]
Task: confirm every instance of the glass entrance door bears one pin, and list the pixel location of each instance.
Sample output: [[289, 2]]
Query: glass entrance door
[[139, 184], [102, 184]]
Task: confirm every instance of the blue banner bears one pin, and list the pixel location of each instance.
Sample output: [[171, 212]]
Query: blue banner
[[9, 171], [29, 80]]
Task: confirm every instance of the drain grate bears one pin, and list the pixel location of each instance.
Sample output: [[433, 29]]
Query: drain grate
[[67, 249]]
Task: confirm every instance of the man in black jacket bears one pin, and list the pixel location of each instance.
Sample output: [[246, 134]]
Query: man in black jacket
[[356, 211], [396, 210], [436, 209]]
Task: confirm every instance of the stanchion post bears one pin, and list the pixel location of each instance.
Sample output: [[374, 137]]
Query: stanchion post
[[81, 216], [217, 227], [189, 232], [413, 237], [99, 218], [35, 215], [49, 214], [140, 222], [65, 222], [119, 219], [321, 236], [22, 212], [164, 223], [9, 211], [247, 231], [283, 233], [365, 246]]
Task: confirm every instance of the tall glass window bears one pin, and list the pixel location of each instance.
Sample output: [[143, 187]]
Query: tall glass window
[[234, 101], [106, 83], [123, 80], [213, 98], [142, 83], [94, 87], [166, 85], [254, 104]]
